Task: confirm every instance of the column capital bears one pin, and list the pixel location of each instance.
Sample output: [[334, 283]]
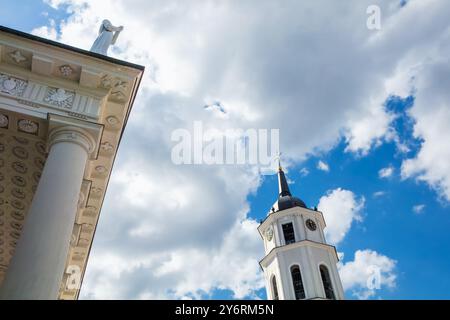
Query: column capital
[[83, 133], [72, 134]]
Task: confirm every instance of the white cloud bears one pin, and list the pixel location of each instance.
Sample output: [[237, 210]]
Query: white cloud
[[431, 112], [386, 172], [323, 166], [340, 208], [368, 272], [180, 273], [418, 209], [369, 131], [270, 66], [378, 194], [48, 32], [304, 172]]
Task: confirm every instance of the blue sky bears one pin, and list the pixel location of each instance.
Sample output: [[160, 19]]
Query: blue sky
[[358, 100], [28, 14]]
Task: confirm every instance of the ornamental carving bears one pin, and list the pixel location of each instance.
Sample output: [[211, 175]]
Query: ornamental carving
[[107, 147], [17, 215], [76, 115], [40, 147], [18, 193], [73, 240], [12, 86], [100, 169], [39, 163], [118, 95], [19, 181], [66, 70], [121, 85], [107, 81], [18, 170], [19, 167], [16, 225], [96, 190], [60, 97], [17, 56], [4, 121], [20, 152], [36, 176], [21, 140], [112, 120], [28, 126], [117, 86], [15, 235], [17, 204]]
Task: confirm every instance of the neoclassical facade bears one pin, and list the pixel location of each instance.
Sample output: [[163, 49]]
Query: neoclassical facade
[[298, 263], [62, 114]]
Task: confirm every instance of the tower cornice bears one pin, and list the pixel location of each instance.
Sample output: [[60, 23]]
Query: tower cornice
[[298, 244], [271, 217]]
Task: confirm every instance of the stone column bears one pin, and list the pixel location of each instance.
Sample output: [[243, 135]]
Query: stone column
[[37, 267]]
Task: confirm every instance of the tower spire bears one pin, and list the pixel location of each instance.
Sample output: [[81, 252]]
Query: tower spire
[[283, 187], [285, 198]]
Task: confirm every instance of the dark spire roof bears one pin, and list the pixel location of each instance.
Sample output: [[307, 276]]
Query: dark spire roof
[[285, 199], [283, 187]]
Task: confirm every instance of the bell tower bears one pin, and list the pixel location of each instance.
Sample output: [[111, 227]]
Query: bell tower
[[298, 263]]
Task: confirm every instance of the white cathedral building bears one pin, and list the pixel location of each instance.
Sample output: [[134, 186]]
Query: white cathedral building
[[298, 263]]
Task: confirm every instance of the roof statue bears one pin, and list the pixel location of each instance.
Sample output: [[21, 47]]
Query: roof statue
[[107, 35]]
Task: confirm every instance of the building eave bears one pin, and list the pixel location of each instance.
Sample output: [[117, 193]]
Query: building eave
[[71, 48]]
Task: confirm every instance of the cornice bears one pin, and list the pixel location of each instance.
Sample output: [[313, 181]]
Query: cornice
[[51, 45], [271, 217], [298, 244]]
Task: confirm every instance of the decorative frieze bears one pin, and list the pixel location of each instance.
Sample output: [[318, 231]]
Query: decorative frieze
[[59, 97], [11, 85], [76, 115], [36, 95]]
